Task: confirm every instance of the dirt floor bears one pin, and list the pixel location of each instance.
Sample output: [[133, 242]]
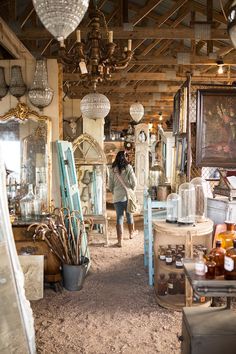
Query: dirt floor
[[115, 312]]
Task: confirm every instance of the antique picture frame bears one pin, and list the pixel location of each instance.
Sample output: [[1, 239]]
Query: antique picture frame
[[216, 128]]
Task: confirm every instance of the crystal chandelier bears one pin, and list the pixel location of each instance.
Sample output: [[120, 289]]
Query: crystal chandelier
[[17, 86], [40, 94], [3, 85], [60, 17], [232, 23], [95, 106], [97, 57], [136, 111]]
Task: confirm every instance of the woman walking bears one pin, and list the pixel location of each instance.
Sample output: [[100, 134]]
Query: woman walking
[[121, 176]]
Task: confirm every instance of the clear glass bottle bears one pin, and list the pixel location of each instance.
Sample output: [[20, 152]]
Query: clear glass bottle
[[172, 205], [27, 204], [218, 256], [179, 261], [186, 210], [200, 265], [162, 285], [230, 262], [210, 268], [227, 236], [200, 186]]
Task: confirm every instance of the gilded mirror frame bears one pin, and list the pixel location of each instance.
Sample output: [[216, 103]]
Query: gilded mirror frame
[[22, 113]]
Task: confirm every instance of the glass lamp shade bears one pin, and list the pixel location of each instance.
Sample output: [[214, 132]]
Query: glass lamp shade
[[40, 94], [232, 23], [17, 86], [136, 111], [3, 85], [95, 106], [200, 186], [186, 210], [172, 207], [60, 17]]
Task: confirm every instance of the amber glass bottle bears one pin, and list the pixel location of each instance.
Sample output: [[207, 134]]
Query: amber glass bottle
[[162, 285], [218, 256], [230, 262], [210, 268], [227, 236]]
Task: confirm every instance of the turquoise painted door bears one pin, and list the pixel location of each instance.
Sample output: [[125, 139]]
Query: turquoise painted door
[[69, 186]]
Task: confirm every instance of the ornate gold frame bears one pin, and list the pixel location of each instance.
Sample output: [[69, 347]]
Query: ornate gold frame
[[21, 113]]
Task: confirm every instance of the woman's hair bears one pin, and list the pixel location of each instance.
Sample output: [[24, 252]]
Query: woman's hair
[[120, 161]]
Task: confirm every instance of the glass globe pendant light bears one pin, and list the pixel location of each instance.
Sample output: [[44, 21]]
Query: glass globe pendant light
[[232, 23], [136, 111], [60, 17], [40, 94], [95, 106]]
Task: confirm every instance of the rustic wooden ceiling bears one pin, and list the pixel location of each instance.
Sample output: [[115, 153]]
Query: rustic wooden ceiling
[[171, 39]]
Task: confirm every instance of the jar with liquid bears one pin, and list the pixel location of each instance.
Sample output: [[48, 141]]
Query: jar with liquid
[[200, 265], [218, 256], [181, 284], [227, 237], [162, 285], [210, 268], [179, 261], [172, 284], [169, 257], [162, 254], [230, 262]]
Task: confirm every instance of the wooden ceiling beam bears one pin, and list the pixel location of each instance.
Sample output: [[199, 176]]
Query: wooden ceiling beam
[[217, 16], [137, 33], [79, 90], [151, 4]]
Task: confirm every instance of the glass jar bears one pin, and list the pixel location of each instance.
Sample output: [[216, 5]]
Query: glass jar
[[200, 186], [181, 284], [179, 261], [162, 254], [172, 206], [172, 284], [200, 265], [230, 262], [162, 285], [227, 237], [210, 271], [218, 256], [186, 210], [169, 258]]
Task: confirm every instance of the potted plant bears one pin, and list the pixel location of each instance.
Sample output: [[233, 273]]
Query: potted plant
[[63, 233]]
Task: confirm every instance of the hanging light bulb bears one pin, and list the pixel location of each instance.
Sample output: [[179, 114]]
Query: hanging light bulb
[[160, 116], [95, 106], [136, 111], [60, 17], [220, 64]]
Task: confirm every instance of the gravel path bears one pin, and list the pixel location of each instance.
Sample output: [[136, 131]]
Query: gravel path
[[115, 312]]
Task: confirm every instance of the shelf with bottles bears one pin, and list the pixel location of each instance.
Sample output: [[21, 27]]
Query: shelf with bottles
[[172, 244]]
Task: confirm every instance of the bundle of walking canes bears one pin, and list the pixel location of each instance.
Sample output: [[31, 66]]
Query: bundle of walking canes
[[63, 232]]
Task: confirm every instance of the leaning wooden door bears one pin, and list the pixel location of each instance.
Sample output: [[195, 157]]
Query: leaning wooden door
[[69, 186]]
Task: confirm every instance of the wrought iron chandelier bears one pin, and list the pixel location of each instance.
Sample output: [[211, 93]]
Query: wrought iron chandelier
[[96, 57]]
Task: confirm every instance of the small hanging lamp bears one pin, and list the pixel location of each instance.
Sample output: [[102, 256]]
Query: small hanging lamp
[[95, 106], [40, 94], [3, 85], [136, 111], [17, 86]]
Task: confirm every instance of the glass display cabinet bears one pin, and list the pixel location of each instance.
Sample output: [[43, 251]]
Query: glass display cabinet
[[90, 162], [25, 138]]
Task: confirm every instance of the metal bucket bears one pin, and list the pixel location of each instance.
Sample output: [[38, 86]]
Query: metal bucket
[[74, 275]]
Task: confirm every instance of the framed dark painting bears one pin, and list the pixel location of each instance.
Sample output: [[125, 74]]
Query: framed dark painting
[[216, 128]]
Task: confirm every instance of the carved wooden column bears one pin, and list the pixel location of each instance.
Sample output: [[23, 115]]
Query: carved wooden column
[[141, 159]]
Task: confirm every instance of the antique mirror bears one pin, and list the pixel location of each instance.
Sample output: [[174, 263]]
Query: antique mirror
[[25, 138]]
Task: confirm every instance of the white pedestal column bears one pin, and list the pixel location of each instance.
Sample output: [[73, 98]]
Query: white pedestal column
[[141, 159]]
